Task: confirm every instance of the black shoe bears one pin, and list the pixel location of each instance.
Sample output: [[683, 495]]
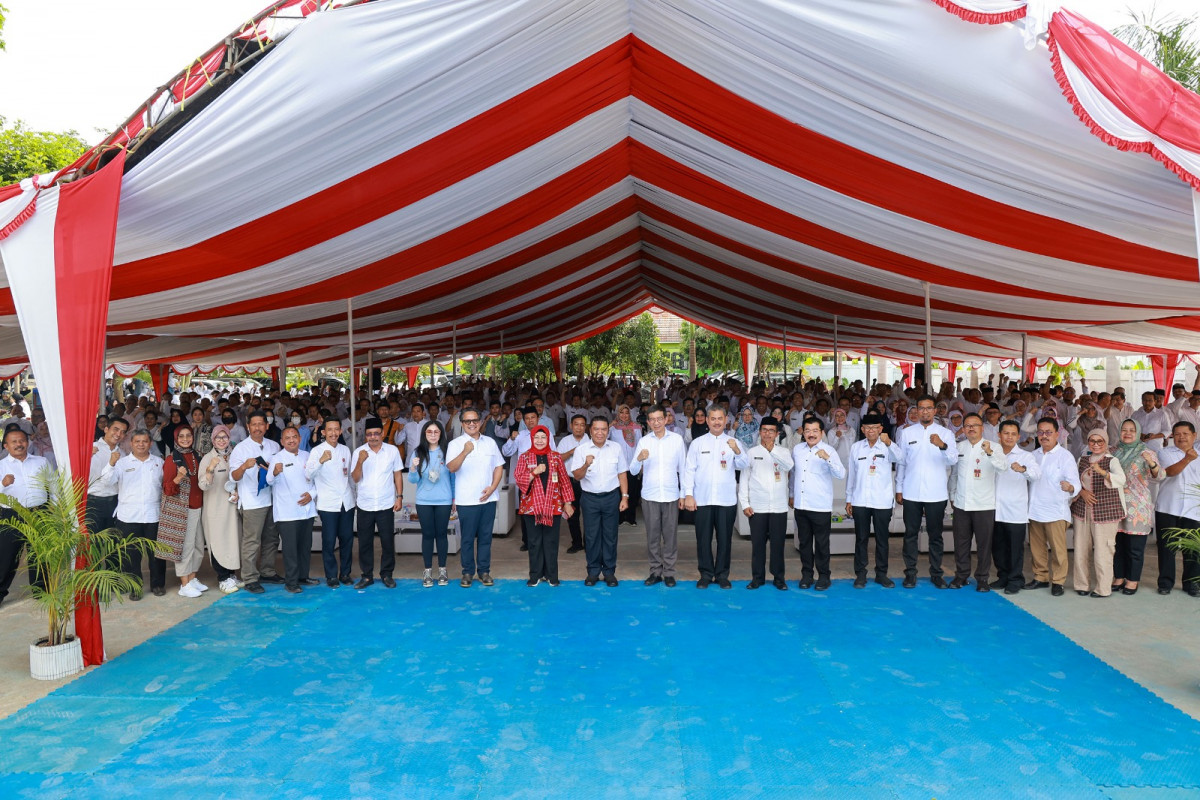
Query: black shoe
[[653, 579], [271, 579], [1126, 590], [591, 580], [254, 587], [611, 580], [524, 548], [486, 579], [1081, 592], [1193, 591], [860, 582], [957, 583], [822, 584], [1093, 594], [1034, 583], [389, 581], [703, 583], [292, 589], [1057, 590], [1012, 589], [938, 582], [997, 584], [136, 594], [532, 582], [805, 583], [669, 581], [755, 584], [310, 582], [982, 587], [158, 591], [1163, 591], [780, 584], [364, 583], [345, 580], [885, 581], [553, 583], [724, 583], [575, 548], [910, 582], [332, 584]]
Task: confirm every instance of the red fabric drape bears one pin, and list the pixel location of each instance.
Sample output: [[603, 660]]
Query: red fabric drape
[[906, 372], [1164, 370], [1029, 370], [556, 361], [744, 348], [411, 374], [951, 370], [158, 377]]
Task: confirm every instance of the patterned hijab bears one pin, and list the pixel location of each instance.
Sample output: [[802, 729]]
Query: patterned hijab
[[1126, 453]]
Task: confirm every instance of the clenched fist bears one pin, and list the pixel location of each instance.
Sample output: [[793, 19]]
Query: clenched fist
[[114, 458], [469, 447], [278, 469], [643, 455], [936, 441], [8, 480], [362, 456], [328, 454], [733, 445]]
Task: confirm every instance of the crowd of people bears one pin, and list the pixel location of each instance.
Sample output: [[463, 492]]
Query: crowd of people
[[244, 476]]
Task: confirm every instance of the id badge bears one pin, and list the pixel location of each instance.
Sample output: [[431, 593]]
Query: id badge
[[554, 477], [978, 473], [778, 475], [724, 463], [872, 471]]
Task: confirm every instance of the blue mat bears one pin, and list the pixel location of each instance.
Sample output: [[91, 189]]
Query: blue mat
[[514, 692]]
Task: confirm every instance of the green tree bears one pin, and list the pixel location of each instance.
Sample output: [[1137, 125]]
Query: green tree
[[714, 352], [25, 152], [3, 13], [637, 349], [1171, 43]]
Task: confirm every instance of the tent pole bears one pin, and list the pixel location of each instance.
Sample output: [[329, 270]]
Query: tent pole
[[370, 377], [282, 367], [432, 385], [454, 352], [502, 357], [1024, 355], [867, 373], [350, 355], [837, 358], [785, 375], [928, 340]]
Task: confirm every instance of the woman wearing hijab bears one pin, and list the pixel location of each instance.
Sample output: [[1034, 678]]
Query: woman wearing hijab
[[1096, 512], [168, 432], [1141, 468], [698, 427], [201, 430], [219, 518], [747, 428], [435, 497], [840, 436], [955, 423], [1088, 420], [179, 515], [546, 496], [627, 433]]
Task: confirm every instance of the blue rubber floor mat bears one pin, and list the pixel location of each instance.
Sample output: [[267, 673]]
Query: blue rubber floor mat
[[514, 692]]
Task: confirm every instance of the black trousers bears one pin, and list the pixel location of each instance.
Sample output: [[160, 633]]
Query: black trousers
[[11, 545], [223, 572], [543, 549], [767, 528], [714, 521], [383, 523], [575, 523], [434, 522], [295, 536], [600, 523], [1130, 555], [1167, 556], [864, 518], [934, 514], [100, 513], [635, 498], [1008, 551], [979, 525], [812, 532], [132, 564]]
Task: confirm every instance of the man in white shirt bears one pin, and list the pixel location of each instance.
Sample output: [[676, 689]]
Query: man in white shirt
[[378, 474], [24, 478], [928, 455], [871, 496], [974, 503], [328, 466], [710, 490], [763, 493], [1012, 509], [659, 459], [138, 480], [991, 423], [566, 449], [1050, 509], [412, 434], [1178, 507], [293, 510], [815, 466], [247, 464], [1156, 425], [101, 508], [478, 469], [602, 470]]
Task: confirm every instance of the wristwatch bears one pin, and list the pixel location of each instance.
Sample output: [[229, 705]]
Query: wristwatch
[[624, 495]]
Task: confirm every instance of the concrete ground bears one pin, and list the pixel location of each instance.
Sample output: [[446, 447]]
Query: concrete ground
[[1154, 640]]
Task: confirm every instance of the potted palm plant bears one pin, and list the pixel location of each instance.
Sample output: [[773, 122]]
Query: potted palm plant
[[53, 539]]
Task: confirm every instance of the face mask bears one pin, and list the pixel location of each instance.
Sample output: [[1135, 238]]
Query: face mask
[[227, 421], [270, 419], [295, 420]]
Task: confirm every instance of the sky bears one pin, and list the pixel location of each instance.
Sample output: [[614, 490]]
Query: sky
[[112, 54]]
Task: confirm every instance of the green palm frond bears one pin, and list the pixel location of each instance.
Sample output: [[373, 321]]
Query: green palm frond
[[1171, 43]]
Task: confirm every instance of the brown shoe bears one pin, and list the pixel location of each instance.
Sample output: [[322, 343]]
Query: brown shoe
[[486, 579], [466, 581]]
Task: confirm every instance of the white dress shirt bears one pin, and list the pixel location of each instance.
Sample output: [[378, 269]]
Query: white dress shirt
[[28, 487], [289, 486], [869, 481], [139, 486], [926, 466], [567, 444], [334, 486], [1154, 421], [1012, 488], [608, 463], [812, 476], [1176, 495], [1047, 501], [662, 471], [377, 489], [412, 438], [514, 449], [974, 475], [100, 459], [708, 471], [476, 471], [764, 483], [249, 497]]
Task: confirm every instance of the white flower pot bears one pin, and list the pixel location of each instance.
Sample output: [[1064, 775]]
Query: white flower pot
[[57, 662]]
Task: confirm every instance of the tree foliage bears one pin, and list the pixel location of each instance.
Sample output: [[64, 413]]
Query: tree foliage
[[630, 348], [25, 152], [3, 13], [714, 352], [1171, 43]]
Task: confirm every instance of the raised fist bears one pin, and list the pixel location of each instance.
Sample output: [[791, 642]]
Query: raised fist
[[328, 454]]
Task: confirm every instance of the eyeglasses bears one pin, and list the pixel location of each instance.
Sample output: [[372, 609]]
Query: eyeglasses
[[470, 422], [1095, 441]]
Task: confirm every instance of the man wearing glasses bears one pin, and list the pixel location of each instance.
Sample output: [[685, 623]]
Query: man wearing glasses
[[974, 480], [928, 454], [478, 469], [1050, 499]]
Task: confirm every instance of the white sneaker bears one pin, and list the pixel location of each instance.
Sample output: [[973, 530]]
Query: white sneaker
[[196, 584], [228, 586], [188, 591], [239, 583]]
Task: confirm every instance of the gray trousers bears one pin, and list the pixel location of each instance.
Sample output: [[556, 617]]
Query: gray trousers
[[662, 543], [259, 538]]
